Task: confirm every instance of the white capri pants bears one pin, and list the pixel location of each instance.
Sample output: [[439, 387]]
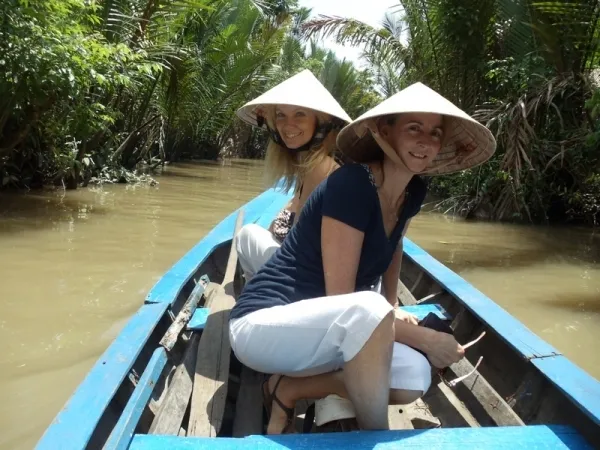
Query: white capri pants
[[254, 245], [316, 336]]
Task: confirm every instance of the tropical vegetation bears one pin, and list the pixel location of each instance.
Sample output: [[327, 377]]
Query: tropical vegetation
[[103, 90], [526, 68], [96, 90]]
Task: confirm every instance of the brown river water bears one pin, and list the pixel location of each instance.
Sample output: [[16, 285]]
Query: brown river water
[[74, 266]]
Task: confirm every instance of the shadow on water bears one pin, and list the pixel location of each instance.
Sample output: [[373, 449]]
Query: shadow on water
[[209, 170], [580, 303], [247, 162], [182, 174], [20, 212], [530, 246]]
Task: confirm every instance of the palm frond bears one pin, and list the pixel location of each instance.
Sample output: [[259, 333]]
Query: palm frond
[[355, 33], [393, 23]]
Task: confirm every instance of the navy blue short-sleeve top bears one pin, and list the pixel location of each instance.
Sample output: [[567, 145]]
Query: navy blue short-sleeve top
[[295, 271]]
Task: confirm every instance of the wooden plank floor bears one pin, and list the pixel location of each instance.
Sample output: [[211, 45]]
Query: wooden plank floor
[[170, 415], [209, 394], [249, 406]]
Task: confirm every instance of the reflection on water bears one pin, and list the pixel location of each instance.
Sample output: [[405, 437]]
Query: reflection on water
[[74, 266]]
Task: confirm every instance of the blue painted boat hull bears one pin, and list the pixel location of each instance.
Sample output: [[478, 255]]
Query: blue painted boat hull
[[114, 405]]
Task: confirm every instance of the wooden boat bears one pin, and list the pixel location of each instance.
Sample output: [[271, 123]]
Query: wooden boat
[[169, 380]]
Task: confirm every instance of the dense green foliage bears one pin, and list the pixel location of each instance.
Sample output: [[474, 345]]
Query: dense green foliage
[[97, 90], [523, 67], [94, 89]]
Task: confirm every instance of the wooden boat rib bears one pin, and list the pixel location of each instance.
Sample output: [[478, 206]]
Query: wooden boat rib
[[169, 379]]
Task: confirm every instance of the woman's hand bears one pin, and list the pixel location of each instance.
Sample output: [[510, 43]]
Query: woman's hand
[[444, 350], [406, 317], [441, 349]]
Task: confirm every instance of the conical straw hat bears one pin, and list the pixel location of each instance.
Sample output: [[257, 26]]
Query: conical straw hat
[[304, 90], [467, 143]]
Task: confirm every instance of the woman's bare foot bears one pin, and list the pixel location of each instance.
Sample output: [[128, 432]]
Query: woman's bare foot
[[280, 421]]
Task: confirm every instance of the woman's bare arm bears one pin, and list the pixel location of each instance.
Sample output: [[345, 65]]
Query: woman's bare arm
[[392, 274], [341, 246], [390, 278]]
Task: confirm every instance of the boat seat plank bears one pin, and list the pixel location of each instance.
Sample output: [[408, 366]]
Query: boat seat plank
[[404, 295], [87, 405], [398, 418], [209, 394], [574, 382], [478, 392], [420, 311], [198, 320], [248, 418], [122, 433], [519, 337], [168, 287], [172, 409], [491, 438], [212, 369]]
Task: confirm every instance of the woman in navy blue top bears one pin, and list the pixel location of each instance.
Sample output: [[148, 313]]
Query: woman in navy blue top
[[311, 312]]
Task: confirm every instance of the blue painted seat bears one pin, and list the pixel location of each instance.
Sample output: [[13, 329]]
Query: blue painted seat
[[198, 320], [491, 438], [420, 311]]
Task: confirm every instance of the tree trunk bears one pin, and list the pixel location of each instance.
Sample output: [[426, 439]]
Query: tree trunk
[[9, 143], [149, 10]]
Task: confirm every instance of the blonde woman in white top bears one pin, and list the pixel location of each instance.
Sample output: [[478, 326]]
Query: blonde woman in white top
[[303, 120]]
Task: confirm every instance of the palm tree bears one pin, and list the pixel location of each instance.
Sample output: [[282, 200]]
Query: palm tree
[[210, 56], [520, 66]]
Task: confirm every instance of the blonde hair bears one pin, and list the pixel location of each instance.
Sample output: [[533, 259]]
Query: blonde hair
[[282, 163]]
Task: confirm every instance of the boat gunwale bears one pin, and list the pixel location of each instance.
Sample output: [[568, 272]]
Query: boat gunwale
[[528, 344], [79, 417], [585, 394], [546, 436], [261, 210]]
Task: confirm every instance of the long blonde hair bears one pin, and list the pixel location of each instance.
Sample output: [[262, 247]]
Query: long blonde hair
[[282, 163]]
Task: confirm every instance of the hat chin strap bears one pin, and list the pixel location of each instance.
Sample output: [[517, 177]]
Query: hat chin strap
[[319, 135], [385, 146], [389, 151]]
